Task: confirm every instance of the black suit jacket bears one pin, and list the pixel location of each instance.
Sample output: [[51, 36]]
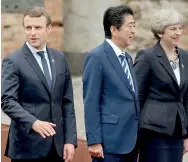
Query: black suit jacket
[[161, 98], [26, 98]]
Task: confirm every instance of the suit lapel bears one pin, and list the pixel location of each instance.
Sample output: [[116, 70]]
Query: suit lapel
[[32, 61], [182, 70], [117, 66], [165, 63], [52, 65]]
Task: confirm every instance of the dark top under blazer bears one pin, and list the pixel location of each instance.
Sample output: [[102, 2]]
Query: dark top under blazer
[[160, 96], [26, 97], [111, 107]]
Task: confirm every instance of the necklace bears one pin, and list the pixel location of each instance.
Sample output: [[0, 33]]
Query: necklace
[[174, 63]]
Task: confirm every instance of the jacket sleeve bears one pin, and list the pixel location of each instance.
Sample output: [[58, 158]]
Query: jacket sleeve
[[92, 84], [9, 96], [69, 118], [186, 108], [185, 99], [142, 72]]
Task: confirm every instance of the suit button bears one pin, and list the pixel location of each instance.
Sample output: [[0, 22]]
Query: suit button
[[52, 103]]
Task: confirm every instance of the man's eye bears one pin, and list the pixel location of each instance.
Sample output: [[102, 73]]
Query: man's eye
[[28, 28]]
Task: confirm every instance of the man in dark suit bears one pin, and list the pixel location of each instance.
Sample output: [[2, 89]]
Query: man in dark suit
[[110, 91], [37, 95]]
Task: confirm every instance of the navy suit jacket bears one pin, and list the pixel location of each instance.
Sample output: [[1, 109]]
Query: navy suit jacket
[[161, 98], [26, 97], [111, 107]]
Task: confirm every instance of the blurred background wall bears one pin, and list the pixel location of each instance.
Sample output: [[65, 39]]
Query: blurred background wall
[[77, 25]]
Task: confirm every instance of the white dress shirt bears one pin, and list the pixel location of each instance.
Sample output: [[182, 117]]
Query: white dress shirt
[[38, 58], [177, 73], [119, 52]]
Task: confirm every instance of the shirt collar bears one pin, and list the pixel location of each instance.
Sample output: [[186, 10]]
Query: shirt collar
[[116, 49], [34, 50]]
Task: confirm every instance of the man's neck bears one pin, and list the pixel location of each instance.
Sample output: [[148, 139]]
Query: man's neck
[[118, 45], [37, 49]]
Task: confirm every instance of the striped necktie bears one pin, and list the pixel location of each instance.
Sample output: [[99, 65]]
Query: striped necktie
[[125, 66]]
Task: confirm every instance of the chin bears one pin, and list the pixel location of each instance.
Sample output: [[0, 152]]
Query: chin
[[128, 44], [175, 44], [34, 45]]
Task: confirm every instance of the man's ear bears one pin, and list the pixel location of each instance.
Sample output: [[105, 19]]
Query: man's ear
[[113, 30], [49, 28]]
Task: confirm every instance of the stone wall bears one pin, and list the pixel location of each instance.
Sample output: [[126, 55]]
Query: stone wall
[[83, 28]]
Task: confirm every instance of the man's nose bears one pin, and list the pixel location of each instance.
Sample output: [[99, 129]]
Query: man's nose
[[33, 31], [134, 30]]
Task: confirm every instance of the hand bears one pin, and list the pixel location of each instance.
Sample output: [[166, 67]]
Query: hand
[[96, 150], [68, 152], [185, 146], [44, 128]]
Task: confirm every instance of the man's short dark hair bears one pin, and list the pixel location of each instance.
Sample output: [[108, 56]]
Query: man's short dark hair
[[115, 16], [37, 11]]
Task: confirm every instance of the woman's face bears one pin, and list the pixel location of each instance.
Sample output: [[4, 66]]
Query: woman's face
[[172, 34]]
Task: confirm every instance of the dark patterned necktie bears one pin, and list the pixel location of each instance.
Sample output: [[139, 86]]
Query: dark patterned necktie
[[45, 68]]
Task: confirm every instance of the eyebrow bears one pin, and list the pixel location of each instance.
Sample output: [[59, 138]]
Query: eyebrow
[[175, 26], [33, 25], [133, 22]]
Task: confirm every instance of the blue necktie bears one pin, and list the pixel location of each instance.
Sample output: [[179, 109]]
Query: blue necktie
[[125, 66], [45, 68]]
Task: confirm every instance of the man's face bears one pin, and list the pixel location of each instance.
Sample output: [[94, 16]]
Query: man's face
[[124, 36], [36, 31]]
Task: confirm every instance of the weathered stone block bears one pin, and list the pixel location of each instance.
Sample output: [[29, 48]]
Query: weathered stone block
[[19, 5]]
